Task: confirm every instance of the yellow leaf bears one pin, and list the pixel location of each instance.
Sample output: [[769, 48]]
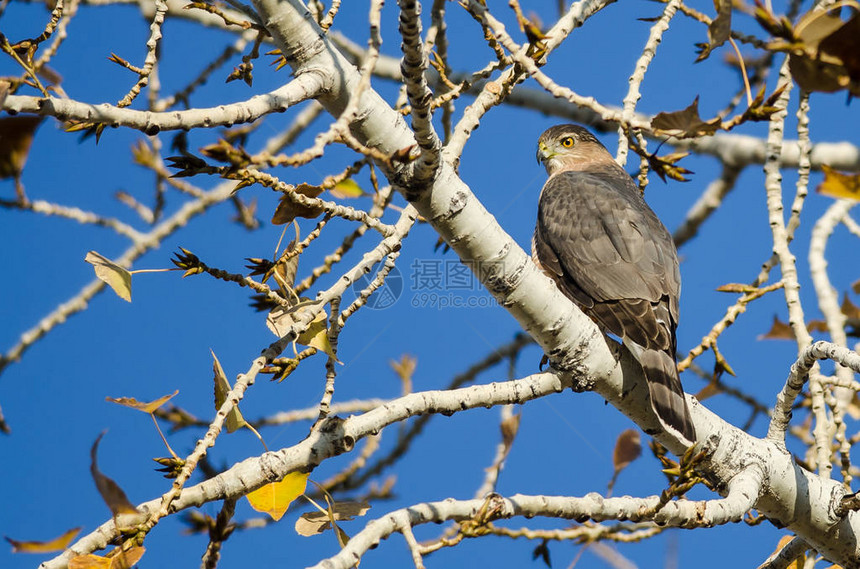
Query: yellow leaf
[[110, 491], [316, 335], [234, 420], [839, 185], [140, 405], [347, 189], [89, 561], [276, 497], [56, 544], [116, 277]]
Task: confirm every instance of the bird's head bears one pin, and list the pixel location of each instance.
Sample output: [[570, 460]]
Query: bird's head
[[570, 147]]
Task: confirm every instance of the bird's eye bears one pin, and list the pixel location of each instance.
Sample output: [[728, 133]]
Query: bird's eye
[[567, 142]]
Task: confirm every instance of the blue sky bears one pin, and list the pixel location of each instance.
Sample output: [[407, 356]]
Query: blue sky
[[54, 397]]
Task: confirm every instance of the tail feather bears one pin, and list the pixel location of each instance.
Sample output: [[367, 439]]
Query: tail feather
[[667, 396]]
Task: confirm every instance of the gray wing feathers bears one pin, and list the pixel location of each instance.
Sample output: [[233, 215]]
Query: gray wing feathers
[[610, 254]]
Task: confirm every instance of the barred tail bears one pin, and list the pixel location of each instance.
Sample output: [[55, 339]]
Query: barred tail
[[667, 396]]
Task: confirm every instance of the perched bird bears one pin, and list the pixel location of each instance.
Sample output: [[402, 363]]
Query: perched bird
[[610, 254]]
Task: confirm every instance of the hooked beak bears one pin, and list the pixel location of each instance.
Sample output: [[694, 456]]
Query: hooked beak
[[543, 153]]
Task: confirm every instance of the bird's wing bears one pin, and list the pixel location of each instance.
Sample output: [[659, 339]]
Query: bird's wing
[[610, 253]]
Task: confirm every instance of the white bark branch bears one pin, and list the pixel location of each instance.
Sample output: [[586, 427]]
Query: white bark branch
[[301, 88]]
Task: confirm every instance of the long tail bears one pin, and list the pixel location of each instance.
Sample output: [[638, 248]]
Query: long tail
[[667, 396]]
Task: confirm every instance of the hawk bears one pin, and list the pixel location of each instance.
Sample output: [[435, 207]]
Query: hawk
[[610, 254]]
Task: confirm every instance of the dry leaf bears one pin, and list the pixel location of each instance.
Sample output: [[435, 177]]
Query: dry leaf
[[719, 30], [274, 498], [287, 210], [853, 408], [839, 185], [709, 390], [116, 277], [405, 367], [234, 420], [849, 309], [778, 331], [347, 189], [281, 318], [16, 137], [828, 60], [685, 123], [140, 405], [509, 428], [122, 560], [56, 544], [110, 491], [316, 522], [628, 447], [316, 335]]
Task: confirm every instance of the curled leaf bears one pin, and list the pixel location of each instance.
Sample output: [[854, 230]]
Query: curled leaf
[[235, 420], [628, 447], [57, 544], [150, 407], [110, 491], [116, 277], [685, 123], [316, 522]]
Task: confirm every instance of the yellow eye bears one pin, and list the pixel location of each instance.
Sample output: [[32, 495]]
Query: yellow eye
[[567, 142]]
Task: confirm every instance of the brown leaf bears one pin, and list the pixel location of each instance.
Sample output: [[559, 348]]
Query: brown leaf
[[405, 367], [116, 277], [316, 522], [828, 59], [285, 270], [110, 491], [141, 405], [234, 420], [849, 309], [853, 407], [720, 28], [685, 123], [839, 185], [778, 331], [713, 388], [288, 210], [628, 447], [16, 137], [665, 166], [509, 428], [56, 544], [816, 326]]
